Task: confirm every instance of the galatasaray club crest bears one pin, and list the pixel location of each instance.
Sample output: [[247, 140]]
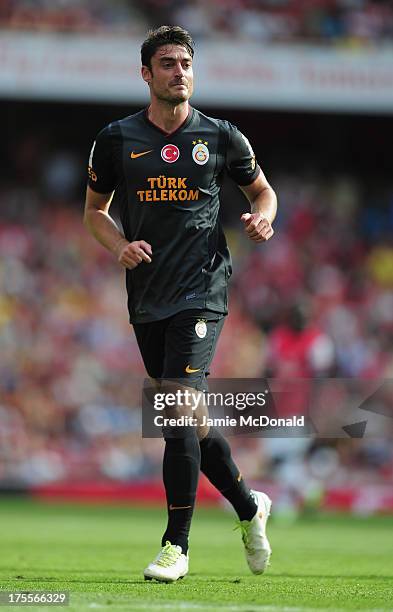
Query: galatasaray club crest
[[170, 153], [201, 328], [200, 152]]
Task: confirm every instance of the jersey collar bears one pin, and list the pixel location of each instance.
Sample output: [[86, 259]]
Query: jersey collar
[[185, 123]]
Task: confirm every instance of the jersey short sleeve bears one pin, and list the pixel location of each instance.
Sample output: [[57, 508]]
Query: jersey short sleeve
[[101, 170], [240, 158]]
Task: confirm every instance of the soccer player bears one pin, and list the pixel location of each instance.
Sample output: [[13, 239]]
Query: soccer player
[[166, 164]]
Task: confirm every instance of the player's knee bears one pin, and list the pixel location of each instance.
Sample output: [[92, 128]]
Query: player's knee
[[182, 441], [219, 448]]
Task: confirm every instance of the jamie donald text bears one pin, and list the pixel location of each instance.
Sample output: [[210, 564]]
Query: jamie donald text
[[243, 421]]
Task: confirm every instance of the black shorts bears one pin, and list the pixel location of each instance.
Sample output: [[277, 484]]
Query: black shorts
[[181, 346]]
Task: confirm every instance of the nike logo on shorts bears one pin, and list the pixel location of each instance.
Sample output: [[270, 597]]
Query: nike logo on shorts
[[191, 370]]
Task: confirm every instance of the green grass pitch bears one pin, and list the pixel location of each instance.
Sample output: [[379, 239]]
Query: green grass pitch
[[98, 553]]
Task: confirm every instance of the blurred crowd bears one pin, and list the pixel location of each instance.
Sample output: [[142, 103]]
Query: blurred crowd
[[316, 301], [350, 23], [67, 16]]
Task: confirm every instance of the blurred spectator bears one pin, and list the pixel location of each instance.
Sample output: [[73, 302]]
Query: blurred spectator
[[297, 349]]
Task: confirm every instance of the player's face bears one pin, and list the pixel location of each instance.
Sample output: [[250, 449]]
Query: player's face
[[171, 77]]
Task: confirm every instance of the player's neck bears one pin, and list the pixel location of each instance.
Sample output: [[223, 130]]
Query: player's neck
[[168, 117]]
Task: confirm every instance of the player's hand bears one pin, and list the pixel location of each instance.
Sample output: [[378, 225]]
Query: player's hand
[[257, 226], [131, 254]]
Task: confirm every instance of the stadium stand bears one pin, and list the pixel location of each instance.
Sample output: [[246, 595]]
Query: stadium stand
[[348, 23]]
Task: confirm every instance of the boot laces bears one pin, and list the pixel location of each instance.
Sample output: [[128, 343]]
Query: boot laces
[[168, 555]]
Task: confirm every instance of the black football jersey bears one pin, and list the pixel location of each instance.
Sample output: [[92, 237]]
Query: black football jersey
[[168, 189]]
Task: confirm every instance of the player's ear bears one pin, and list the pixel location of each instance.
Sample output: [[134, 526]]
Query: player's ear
[[146, 74]]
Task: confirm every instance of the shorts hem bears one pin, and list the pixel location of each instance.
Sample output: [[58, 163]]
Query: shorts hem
[[184, 307]]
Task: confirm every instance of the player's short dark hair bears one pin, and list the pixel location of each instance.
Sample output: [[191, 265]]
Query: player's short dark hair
[[165, 35]]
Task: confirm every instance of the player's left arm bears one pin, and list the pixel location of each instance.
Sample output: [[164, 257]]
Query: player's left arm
[[243, 168], [263, 202]]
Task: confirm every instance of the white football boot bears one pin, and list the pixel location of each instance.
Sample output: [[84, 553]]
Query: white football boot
[[256, 544], [169, 565]]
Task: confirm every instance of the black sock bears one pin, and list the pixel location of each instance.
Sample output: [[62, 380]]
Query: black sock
[[181, 472], [217, 464]]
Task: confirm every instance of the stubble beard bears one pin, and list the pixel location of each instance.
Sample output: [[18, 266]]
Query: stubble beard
[[173, 99]]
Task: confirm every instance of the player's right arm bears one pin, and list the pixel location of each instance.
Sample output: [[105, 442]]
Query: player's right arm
[[99, 194], [104, 229]]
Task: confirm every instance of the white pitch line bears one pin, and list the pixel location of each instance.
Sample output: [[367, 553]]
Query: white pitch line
[[185, 605], [174, 605]]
